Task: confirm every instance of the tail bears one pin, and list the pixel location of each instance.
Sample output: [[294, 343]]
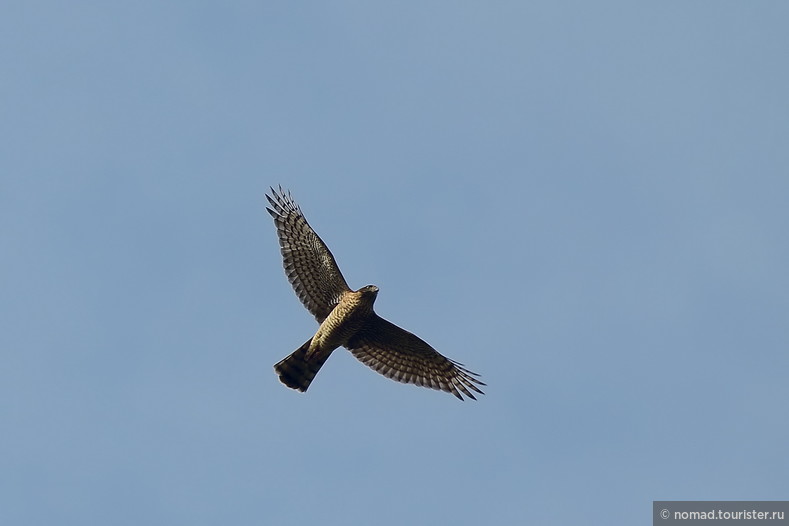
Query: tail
[[296, 371]]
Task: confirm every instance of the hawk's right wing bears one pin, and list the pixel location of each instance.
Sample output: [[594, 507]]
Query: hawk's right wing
[[309, 264]]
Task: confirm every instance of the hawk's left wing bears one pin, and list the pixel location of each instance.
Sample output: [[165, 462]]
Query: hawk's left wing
[[402, 356]]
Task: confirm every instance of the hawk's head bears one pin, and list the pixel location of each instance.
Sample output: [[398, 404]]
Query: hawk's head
[[369, 289]]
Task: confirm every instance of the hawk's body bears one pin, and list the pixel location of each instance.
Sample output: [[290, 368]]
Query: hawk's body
[[347, 318]]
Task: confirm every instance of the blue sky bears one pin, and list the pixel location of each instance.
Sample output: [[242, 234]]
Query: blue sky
[[585, 202]]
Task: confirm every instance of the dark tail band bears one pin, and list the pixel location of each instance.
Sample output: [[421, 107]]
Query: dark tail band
[[296, 371]]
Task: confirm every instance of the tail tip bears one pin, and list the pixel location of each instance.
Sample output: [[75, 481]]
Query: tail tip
[[291, 380]]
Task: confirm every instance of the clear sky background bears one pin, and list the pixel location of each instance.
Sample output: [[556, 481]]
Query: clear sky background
[[585, 202]]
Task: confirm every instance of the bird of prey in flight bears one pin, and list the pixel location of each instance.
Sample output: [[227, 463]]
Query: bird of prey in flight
[[347, 318]]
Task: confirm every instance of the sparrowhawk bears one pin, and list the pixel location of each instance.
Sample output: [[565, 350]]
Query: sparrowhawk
[[347, 318]]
